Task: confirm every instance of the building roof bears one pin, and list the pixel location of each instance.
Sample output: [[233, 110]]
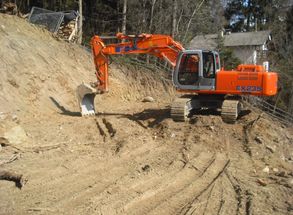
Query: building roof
[[247, 38], [209, 41]]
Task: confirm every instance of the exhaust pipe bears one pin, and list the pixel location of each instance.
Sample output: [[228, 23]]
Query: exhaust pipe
[[86, 99]]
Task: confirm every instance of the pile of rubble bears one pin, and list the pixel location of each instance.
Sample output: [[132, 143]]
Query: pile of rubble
[[68, 31], [8, 8], [64, 24]]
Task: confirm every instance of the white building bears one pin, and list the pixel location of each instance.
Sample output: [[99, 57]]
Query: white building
[[249, 47]]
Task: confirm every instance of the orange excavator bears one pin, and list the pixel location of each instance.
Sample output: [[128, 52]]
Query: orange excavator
[[197, 75]]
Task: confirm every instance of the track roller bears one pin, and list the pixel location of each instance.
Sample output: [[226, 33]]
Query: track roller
[[230, 111], [180, 109]]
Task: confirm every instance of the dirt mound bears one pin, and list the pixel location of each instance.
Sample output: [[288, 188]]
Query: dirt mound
[[38, 71], [131, 158]]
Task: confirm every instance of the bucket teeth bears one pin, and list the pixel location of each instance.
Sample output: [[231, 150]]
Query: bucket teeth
[[86, 97]]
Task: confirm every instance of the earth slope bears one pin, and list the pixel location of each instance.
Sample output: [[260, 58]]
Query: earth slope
[[131, 158]]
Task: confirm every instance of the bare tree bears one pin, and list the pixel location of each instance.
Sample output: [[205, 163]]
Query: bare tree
[[80, 22], [174, 18], [152, 15], [190, 19], [123, 27]]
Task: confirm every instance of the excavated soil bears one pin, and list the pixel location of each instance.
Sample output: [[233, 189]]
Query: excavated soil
[[131, 158]]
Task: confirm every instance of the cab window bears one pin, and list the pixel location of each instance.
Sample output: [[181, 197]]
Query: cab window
[[188, 69], [208, 65], [217, 62]]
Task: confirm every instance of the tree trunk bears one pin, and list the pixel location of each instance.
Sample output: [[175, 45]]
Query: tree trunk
[[178, 24], [152, 16], [190, 20], [118, 12], [123, 27], [248, 16], [174, 18], [80, 22], [290, 105], [143, 25]]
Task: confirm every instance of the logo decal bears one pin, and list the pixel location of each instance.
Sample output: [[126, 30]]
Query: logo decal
[[249, 88]]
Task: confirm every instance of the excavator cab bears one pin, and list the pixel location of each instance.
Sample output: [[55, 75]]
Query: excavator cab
[[196, 70]]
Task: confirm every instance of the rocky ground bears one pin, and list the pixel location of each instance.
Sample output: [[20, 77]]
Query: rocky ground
[[131, 158]]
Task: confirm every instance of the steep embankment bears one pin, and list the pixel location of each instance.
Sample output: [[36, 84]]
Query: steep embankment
[[131, 158], [36, 69]]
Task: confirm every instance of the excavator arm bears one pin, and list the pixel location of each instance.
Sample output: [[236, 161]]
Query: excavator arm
[[161, 46]]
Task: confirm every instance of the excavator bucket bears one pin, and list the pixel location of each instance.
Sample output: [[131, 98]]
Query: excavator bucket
[[86, 99]]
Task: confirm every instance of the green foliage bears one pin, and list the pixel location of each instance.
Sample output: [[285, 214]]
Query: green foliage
[[228, 60], [246, 15]]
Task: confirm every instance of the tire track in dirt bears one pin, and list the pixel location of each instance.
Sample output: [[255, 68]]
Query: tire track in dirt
[[80, 192], [147, 186], [154, 198], [243, 196], [177, 203], [218, 199], [158, 152], [82, 164]]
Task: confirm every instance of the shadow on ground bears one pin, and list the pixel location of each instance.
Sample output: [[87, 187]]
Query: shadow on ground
[[152, 116], [63, 110]]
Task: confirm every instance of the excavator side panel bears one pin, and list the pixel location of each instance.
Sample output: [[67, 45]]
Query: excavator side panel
[[270, 83], [254, 83]]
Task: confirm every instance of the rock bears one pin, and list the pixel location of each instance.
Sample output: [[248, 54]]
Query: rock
[[288, 136], [15, 118], [2, 116], [146, 168], [281, 174], [3, 141], [266, 169], [272, 149], [173, 135], [16, 135], [258, 140], [291, 181], [212, 128], [148, 99], [275, 170], [261, 182]]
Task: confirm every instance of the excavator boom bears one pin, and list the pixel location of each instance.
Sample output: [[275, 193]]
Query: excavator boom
[[161, 46]]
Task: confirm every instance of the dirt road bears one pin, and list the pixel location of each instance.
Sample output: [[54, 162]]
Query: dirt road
[[131, 158]]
